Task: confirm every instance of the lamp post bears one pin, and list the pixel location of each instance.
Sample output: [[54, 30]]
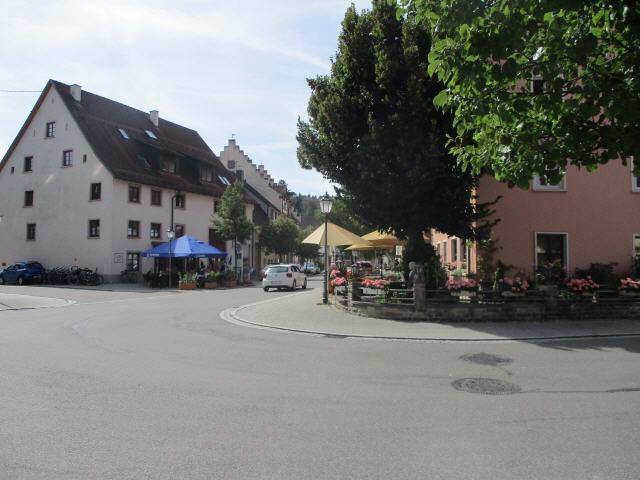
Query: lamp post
[[325, 207], [170, 235]]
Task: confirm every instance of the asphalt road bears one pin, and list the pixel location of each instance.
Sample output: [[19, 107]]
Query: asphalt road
[[133, 385]]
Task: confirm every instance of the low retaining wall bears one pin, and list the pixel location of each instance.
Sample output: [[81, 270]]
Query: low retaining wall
[[613, 309]]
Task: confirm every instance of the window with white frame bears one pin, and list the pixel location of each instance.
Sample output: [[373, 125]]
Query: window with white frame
[[551, 248], [454, 249], [635, 182], [636, 245], [67, 158], [541, 183]]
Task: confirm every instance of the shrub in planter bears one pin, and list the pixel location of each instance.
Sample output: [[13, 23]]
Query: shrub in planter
[[630, 287], [211, 281], [339, 285], [462, 286], [513, 286], [583, 286], [230, 279], [187, 281]]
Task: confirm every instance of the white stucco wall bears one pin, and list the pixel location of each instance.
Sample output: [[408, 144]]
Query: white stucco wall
[[61, 208]]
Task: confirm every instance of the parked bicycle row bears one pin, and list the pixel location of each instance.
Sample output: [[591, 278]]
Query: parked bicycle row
[[34, 272]]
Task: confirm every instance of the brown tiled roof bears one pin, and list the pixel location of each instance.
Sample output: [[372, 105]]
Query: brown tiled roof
[[138, 158]]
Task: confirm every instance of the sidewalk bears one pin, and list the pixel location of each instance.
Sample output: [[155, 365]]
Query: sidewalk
[[303, 312], [12, 301]]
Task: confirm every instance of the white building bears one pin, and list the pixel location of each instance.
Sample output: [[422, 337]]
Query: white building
[[91, 182]]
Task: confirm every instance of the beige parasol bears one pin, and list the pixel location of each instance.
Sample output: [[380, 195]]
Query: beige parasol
[[336, 236], [381, 238]]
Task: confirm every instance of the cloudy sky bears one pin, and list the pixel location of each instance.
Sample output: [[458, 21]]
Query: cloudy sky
[[219, 67]]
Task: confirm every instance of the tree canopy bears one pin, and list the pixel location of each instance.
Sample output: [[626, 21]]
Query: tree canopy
[[280, 236], [534, 85], [230, 220], [374, 130]]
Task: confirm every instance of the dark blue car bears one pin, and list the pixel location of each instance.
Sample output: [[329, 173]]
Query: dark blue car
[[22, 272]]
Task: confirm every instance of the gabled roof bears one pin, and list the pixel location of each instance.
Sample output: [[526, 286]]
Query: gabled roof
[[138, 158]]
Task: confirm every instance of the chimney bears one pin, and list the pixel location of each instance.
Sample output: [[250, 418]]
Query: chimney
[[154, 116], [76, 92]]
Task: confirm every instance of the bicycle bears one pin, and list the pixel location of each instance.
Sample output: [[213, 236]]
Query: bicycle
[[128, 276]]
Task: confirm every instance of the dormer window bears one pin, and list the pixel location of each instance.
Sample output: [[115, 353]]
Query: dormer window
[[150, 134], [124, 133], [169, 165], [206, 174]]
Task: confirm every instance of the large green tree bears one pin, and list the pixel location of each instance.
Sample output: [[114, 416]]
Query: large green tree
[[280, 236], [374, 130], [230, 220], [587, 53], [306, 251]]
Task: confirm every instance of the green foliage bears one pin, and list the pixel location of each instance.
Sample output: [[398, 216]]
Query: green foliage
[[306, 251], [280, 236], [587, 52], [374, 130], [342, 215], [230, 220], [601, 273]]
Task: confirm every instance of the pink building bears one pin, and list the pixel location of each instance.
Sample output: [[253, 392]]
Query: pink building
[[587, 218]]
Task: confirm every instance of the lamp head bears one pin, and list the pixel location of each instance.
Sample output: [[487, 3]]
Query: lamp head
[[326, 203]]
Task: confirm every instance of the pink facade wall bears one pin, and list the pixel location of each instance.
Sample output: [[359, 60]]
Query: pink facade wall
[[600, 212]]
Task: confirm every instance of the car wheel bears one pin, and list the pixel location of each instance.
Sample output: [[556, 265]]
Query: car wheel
[[20, 281], [304, 285], [293, 285], [265, 289]]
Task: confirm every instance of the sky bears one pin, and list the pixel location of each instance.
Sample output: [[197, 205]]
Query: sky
[[222, 68]]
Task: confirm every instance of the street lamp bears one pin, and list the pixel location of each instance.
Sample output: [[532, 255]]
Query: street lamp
[[325, 207], [170, 235]]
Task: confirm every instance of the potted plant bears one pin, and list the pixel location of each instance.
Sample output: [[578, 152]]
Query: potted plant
[[514, 286], [583, 286], [230, 279], [629, 287], [211, 281], [373, 287], [339, 285], [462, 286], [187, 281]]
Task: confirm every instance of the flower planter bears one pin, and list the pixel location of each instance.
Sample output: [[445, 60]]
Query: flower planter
[[210, 285], [371, 291], [512, 294], [629, 293], [187, 285], [463, 293], [230, 283], [341, 290]]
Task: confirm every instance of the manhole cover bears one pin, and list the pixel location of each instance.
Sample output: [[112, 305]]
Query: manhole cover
[[487, 386], [486, 359]]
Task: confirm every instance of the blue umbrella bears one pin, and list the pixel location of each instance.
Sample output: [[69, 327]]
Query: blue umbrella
[[184, 246]]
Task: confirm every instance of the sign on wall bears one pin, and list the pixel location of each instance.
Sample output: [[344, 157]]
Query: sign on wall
[[118, 257]]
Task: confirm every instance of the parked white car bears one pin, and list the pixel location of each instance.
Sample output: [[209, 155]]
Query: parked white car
[[311, 268], [284, 276]]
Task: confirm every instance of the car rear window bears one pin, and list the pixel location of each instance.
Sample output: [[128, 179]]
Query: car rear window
[[277, 269], [35, 265]]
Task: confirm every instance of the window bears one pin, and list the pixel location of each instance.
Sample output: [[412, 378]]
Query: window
[[133, 229], [444, 251], [50, 131], [179, 230], [28, 198], [31, 231], [67, 158], [124, 134], [541, 183], [454, 249], [635, 183], [550, 248], [636, 245], [537, 85], [240, 174], [94, 228], [95, 191], [156, 197], [84, 158], [28, 164], [134, 194], [180, 201], [206, 174], [150, 134], [13, 169], [156, 230], [133, 261], [231, 164], [169, 165]]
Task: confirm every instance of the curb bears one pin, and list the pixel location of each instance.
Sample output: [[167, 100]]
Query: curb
[[231, 315]]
